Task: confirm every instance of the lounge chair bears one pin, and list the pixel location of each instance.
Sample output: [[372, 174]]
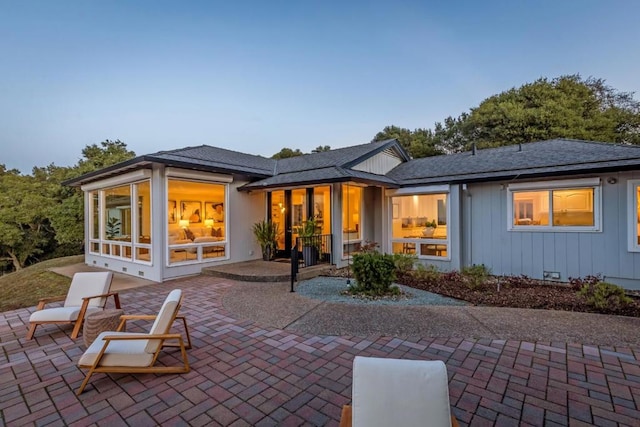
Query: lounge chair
[[393, 392], [88, 292], [129, 352]]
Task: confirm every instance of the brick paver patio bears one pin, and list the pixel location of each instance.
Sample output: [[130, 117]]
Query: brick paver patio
[[245, 374]]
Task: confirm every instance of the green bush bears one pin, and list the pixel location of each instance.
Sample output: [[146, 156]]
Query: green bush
[[605, 296], [428, 274], [374, 273], [476, 275], [404, 262]]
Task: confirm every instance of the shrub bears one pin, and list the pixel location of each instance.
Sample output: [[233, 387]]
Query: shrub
[[428, 274], [404, 262], [577, 283], [476, 275], [605, 296], [374, 273]]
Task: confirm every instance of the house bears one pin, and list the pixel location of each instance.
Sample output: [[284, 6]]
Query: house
[[551, 209]]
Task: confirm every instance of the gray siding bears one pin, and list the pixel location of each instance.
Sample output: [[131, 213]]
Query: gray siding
[[572, 254]]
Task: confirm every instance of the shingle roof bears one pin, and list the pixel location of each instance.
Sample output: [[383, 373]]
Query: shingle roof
[[344, 157], [218, 158], [551, 157], [208, 158], [317, 176]]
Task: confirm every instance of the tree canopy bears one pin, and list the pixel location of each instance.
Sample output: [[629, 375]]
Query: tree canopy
[[285, 153], [40, 216], [563, 107]]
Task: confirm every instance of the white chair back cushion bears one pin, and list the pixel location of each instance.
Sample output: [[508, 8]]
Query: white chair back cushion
[[86, 284], [393, 392], [167, 313]]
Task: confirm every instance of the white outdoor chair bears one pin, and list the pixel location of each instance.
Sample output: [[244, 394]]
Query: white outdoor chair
[[394, 392], [88, 292], [130, 352]]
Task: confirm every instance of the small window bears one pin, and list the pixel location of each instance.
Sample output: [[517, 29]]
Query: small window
[[575, 207]]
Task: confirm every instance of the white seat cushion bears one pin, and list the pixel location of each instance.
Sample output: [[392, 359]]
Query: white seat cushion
[[393, 392], [129, 353], [59, 314]]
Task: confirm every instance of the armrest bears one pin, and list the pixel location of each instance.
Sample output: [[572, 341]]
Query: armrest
[[141, 337], [43, 301], [138, 317], [116, 298]]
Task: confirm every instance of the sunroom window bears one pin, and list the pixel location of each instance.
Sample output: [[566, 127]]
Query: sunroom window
[[572, 205], [120, 221], [419, 225], [196, 221]]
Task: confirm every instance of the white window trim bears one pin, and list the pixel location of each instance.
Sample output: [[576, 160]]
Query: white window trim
[[594, 183], [197, 177], [102, 240], [632, 215], [419, 241]]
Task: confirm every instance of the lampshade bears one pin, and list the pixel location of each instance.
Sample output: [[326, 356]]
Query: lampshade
[[184, 223], [208, 222]]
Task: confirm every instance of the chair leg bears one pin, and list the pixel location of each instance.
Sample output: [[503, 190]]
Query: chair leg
[[76, 329], [32, 330], [85, 382]]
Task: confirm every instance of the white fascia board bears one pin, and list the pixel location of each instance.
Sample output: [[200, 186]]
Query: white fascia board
[[197, 175], [427, 189], [126, 178]]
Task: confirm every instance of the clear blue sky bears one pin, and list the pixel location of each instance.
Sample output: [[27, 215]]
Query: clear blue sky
[[256, 76]]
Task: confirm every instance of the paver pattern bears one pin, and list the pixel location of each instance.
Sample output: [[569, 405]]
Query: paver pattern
[[246, 374]]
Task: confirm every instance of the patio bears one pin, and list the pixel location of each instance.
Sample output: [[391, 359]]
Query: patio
[[247, 373]]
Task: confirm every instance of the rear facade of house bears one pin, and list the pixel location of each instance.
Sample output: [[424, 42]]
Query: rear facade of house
[[549, 210]]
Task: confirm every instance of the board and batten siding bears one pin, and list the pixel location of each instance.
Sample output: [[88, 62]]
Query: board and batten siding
[[379, 164], [487, 240]]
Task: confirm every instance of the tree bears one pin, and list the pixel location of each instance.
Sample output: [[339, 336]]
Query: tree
[[24, 226], [285, 153], [564, 107], [321, 148], [418, 143], [38, 215]]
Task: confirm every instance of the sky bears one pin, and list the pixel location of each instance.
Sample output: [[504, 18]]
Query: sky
[[257, 76]]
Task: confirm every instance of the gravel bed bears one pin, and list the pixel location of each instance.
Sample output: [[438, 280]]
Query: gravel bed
[[329, 289]]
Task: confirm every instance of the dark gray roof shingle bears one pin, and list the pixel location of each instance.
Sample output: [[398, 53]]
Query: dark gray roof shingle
[[535, 158]]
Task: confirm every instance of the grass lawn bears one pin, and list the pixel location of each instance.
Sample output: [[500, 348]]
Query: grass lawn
[[24, 288]]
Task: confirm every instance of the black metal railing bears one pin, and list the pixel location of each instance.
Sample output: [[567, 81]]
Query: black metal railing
[[316, 249], [309, 251]]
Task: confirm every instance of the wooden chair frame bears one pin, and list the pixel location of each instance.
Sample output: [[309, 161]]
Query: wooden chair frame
[[149, 369], [79, 320], [346, 417]]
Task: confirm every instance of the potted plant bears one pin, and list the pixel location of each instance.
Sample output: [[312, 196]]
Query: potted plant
[[429, 228], [266, 233], [310, 243]]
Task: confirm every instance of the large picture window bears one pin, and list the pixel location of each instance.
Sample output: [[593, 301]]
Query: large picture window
[[556, 205], [196, 221], [120, 221], [419, 225]]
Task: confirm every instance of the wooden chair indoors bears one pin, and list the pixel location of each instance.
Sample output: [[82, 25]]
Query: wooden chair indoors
[[130, 352], [393, 392], [87, 293]]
